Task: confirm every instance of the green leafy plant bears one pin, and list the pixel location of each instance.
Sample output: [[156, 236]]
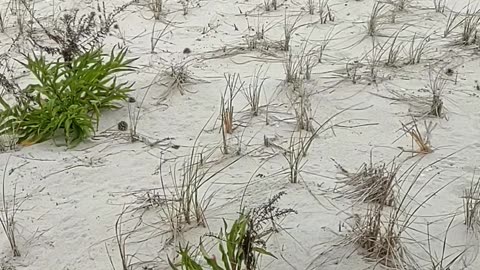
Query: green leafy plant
[[239, 246], [68, 97]]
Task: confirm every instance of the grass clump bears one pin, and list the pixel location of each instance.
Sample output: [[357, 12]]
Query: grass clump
[[371, 183], [68, 97], [383, 232], [374, 23], [419, 138], [471, 205]]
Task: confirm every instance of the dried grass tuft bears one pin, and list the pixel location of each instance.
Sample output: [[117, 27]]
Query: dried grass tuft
[[371, 183], [420, 139]]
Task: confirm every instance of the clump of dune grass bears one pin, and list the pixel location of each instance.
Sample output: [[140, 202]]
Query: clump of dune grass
[[299, 67], [454, 20], [379, 235], [420, 140], [374, 58], [311, 6], [417, 49], [180, 75], [371, 183], [430, 104], [471, 205], [289, 29], [157, 7], [394, 49], [471, 23], [325, 12], [436, 85], [253, 92], [382, 231], [234, 84], [299, 146], [293, 68], [301, 104], [439, 5], [177, 76], [183, 198], [374, 22]]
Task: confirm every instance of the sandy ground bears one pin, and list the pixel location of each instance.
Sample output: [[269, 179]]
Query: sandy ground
[[73, 197]]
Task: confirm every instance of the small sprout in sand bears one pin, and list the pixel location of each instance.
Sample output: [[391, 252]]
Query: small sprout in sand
[[351, 70], [437, 86]]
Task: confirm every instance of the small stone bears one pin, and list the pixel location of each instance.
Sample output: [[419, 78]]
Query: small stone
[[122, 126]]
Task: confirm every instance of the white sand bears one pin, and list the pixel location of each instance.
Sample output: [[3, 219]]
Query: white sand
[[73, 197]]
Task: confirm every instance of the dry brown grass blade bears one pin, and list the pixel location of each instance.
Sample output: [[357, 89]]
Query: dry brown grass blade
[[421, 141]]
